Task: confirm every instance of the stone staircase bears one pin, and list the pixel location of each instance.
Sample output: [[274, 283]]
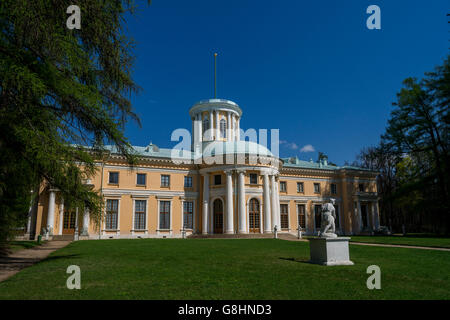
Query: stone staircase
[[64, 237], [284, 236]]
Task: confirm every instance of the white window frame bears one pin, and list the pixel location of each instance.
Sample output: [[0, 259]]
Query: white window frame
[[306, 214], [193, 213], [170, 230], [135, 198], [104, 230], [288, 214], [141, 185]]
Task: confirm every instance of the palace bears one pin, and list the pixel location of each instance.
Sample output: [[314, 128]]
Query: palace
[[251, 192]]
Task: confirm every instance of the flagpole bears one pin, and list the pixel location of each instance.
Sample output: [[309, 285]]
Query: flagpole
[[215, 75]]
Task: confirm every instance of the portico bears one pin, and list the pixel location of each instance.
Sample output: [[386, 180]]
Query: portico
[[239, 209]]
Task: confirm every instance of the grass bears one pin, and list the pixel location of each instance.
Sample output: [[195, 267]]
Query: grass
[[14, 246], [409, 240], [227, 269]]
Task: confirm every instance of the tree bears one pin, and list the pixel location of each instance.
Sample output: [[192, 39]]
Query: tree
[[413, 155], [61, 90]]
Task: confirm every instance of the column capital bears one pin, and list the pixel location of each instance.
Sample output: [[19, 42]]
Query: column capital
[[228, 172]]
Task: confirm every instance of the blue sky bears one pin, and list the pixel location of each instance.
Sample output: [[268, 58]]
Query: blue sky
[[309, 68]]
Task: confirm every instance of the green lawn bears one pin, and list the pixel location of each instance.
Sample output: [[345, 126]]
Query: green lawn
[[14, 246], [228, 269], [424, 241]]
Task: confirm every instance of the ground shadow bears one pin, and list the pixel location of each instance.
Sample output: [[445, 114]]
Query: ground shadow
[[295, 260]]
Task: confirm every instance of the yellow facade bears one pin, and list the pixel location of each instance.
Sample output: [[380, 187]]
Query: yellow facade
[[164, 198]]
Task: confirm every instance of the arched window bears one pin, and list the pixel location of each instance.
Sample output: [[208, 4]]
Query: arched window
[[223, 128], [205, 125], [253, 216]]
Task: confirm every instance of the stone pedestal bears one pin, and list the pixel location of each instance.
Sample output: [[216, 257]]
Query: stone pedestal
[[330, 251]]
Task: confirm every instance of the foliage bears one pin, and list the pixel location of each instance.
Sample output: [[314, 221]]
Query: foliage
[[413, 155], [60, 91]]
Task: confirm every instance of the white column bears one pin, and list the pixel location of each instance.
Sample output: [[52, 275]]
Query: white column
[[242, 217], [76, 224], [233, 128], [30, 214], [85, 231], [61, 217], [229, 126], [230, 222], [277, 205], [205, 203], [359, 215], [193, 133], [217, 125], [274, 202], [211, 125], [238, 129], [267, 222], [200, 127], [51, 212], [377, 215]]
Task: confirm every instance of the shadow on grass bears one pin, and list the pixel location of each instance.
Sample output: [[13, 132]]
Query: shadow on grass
[[58, 257], [295, 260]]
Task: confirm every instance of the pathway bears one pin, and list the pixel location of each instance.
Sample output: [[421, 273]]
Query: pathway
[[16, 261]]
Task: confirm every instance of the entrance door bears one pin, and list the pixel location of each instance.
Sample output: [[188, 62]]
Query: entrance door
[[364, 216], [69, 222], [253, 216], [218, 216]]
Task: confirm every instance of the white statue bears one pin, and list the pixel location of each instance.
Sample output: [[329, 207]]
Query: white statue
[[328, 228]]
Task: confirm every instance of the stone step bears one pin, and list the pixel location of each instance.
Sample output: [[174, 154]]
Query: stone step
[[241, 236], [64, 237]]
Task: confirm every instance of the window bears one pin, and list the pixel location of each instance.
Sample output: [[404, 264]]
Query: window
[[223, 128], [139, 214], [112, 207], [188, 214], [217, 179], [318, 215], [333, 188], [283, 186], [361, 187], [114, 177], [336, 211], [300, 187], [316, 187], [164, 215], [205, 126], [141, 179], [188, 182], [165, 180], [284, 216], [301, 216], [253, 178]]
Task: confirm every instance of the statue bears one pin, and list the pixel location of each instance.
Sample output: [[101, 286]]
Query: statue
[[328, 228]]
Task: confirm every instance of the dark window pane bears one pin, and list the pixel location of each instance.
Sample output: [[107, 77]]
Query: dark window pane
[[284, 216], [165, 181], [164, 215], [318, 215], [188, 182], [301, 216], [141, 178], [253, 178], [188, 214], [113, 177], [217, 179]]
